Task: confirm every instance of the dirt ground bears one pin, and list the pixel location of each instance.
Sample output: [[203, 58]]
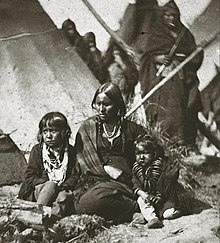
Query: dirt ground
[[202, 226]]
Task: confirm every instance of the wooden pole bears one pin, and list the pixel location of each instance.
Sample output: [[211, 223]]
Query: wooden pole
[[117, 39], [163, 81], [29, 213], [171, 74], [173, 49], [205, 131]]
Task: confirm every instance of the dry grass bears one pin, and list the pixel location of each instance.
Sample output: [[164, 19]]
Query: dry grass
[[204, 183]]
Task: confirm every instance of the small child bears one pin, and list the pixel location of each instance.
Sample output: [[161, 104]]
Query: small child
[[51, 173], [148, 173]]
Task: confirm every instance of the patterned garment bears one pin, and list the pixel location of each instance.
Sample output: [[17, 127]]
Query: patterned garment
[[161, 180], [149, 176], [87, 156], [55, 166], [88, 161]]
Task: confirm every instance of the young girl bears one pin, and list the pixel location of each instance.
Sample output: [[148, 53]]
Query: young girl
[[155, 183], [51, 168]]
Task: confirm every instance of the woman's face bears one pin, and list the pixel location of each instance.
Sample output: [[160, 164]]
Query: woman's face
[[170, 19], [105, 108], [71, 30], [51, 136]]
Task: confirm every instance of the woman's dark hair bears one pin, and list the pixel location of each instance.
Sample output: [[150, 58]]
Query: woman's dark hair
[[57, 120], [68, 23], [88, 36], [171, 6], [113, 92]]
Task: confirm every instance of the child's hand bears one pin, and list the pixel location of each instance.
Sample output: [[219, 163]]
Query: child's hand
[[156, 200], [142, 194], [148, 199]]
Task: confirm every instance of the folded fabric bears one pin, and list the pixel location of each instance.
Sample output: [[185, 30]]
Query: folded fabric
[[113, 172]]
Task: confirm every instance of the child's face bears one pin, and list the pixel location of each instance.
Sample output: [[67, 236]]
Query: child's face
[[51, 136], [143, 156]]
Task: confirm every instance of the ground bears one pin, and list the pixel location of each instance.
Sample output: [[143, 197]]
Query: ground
[[202, 226]]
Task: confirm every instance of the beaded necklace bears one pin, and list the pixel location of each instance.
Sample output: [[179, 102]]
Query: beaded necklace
[[111, 135], [119, 132]]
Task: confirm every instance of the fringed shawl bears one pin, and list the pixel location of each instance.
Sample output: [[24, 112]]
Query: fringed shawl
[[90, 165], [88, 162], [86, 145]]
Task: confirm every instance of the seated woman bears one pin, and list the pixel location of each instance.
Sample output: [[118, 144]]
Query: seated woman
[[51, 173], [105, 155]]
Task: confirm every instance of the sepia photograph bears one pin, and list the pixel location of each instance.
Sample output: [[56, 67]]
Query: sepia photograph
[[109, 121]]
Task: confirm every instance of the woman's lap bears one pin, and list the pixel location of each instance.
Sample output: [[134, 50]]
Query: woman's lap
[[109, 201]]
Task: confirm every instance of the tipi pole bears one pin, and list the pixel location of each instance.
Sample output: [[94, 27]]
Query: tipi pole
[[171, 74], [117, 39]]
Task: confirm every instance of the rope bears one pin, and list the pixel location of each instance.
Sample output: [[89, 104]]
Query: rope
[[16, 36]]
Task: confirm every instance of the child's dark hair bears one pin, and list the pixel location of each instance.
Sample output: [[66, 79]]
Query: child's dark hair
[[150, 145], [57, 120]]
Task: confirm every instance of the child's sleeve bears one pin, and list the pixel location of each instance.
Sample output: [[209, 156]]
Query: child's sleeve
[[136, 180], [35, 173], [136, 184], [73, 171], [71, 182], [157, 170]]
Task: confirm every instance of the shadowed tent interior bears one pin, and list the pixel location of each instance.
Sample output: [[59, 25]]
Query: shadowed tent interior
[[39, 73], [12, 161], [211, 99]]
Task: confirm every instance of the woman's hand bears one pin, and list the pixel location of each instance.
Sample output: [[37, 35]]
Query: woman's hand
[[163, 59], [63, 187]]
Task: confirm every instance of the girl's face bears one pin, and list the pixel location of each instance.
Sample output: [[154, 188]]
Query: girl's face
[[51, 136], [143, 156], [105, 108]]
